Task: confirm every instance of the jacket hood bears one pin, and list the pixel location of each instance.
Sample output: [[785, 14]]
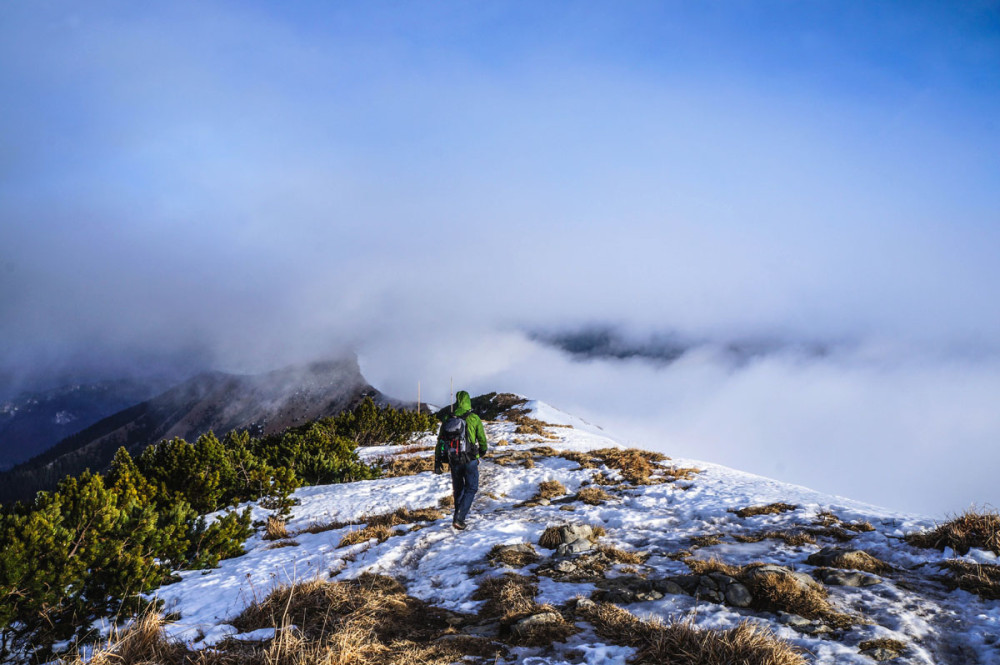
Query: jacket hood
[[463, 402]]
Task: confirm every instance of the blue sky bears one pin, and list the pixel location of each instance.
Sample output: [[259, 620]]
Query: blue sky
[[250, 184]]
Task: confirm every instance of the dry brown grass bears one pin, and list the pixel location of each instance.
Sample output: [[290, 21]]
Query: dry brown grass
[[447, 501], [973, 528], [707, 540], [656, 642], [769, 509], [980, 579], [142, 642], [828, 519], [368, 621], [379, 532], [521, 458], [638, 467], [550, 538], [621, 556], [512, 557], [886, 643], [593, 496], [528, 426], [381, 526], [282, 543], [775, 592], [394, 467], [506, 595], [276, 529], [791, 538], [549, 489], [511, 598], [856, 560], [706, 566]]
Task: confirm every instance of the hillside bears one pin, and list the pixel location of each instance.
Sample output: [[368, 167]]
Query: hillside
[[661, 539], [34, 422], [215, 401]]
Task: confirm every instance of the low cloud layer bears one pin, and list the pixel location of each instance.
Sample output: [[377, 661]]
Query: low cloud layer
[[243, 187]]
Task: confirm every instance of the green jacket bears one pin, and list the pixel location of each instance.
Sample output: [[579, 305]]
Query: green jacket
[[473, 427]]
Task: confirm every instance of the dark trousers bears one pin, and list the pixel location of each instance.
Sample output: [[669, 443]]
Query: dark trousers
[[465, 484]]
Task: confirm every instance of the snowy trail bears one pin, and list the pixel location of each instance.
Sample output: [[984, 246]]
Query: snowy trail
[[668, 521]]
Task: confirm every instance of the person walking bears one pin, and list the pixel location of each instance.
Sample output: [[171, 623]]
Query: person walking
[[461, 442]]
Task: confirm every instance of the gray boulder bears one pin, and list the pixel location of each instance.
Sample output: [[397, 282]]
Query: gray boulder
[[846, 577]]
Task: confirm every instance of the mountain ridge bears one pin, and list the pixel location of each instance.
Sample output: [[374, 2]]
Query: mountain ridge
[[210, 401]]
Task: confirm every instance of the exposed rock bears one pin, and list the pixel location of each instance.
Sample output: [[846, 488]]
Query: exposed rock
[[585, 604], [846, 578], [574, 547], [793, 620], [738, 595], [543, 502], [565, 566], [804, 625], [527, 624], [671, 587]]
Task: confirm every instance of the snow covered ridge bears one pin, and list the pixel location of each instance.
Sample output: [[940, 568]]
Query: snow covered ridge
[[569, 534]]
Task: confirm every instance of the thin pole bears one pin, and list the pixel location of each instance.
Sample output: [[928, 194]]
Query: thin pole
[[452, 389], [418, 398]]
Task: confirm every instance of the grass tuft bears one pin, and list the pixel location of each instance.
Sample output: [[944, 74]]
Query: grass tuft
[[973, 528], [367, 621], [549, 489], [515, 558], [775, 592], [769, 509], [980, 579], [593, 496], [682, 642], [381, 526], [791, 538], [856, 560], [396, 467], [276, 529]]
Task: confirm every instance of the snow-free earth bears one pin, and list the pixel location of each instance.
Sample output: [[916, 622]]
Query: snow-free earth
[[443, 567]]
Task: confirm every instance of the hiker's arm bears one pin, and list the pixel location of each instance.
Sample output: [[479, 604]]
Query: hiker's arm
[[439, 455], [479, 432]]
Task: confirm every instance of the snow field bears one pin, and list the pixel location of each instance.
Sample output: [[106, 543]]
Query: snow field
[[443, 567]]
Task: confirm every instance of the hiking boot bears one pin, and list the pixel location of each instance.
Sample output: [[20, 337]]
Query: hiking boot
[[459, 524]]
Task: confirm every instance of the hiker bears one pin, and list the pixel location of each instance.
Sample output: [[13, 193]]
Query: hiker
[[461, 442]]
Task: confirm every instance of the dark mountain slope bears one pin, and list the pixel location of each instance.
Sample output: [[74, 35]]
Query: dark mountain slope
[[212, 401], [33, 422]]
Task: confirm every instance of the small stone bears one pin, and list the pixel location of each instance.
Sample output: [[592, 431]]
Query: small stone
[[794, 620], [881, 653], [846, 578], [672, 588], [578, 546], [815, 628], [543, 502], [738, 595], [565, 566], [526, 625], [585, 604]]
